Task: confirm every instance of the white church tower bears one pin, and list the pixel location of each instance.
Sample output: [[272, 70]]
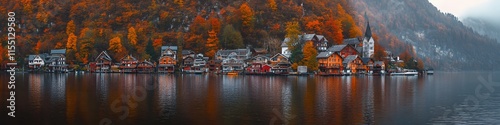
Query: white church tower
[[368, 43]]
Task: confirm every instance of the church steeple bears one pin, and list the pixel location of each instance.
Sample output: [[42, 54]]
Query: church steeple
[[368, 32]]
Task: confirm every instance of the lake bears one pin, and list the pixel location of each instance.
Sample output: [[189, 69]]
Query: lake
[[86, 98]]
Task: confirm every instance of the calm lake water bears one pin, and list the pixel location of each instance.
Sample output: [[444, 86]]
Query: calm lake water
[[212, 99]]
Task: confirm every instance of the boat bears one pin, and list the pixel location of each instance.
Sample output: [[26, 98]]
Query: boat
[[405, 72], [430, 71], [232, 73]]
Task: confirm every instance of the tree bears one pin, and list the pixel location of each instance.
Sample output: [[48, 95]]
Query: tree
[[150, 50], [71, 44], [132, 36], [379, 53], [292, 33], [333, 31], [37, 47], [179, 2], [309, 59], [70, 27], [115, 47], [199, 25], [231, 38], [314, 26], [215, 24], [212, 44], [272, 5], [246, 15]]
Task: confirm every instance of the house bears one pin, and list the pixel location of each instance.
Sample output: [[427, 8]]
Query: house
[[232, 63], [241, 54], [188, 63], [259, 51], [187, 53], [57, 61], [214, 65], [330, 63], [128, 64], [343, 50], [169, 51], [200, 63], [146, 67], [379, 67], [258, 65], [167, 64], [367, 64], [102, 63], [280, 65], [352, 64], [36, 62], [319, 41]]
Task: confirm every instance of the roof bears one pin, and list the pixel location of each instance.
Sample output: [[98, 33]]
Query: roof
[[368, 32], [260, 50], [58, 51], [104, 55], [237, 51], [31, 57], [174, 48], [187, 52], [351, 41], [129, 58], [336, 48], [324, 55], [365, 60], [278, 54], [359, 49], [379, 63], [283, 44], [350, 58]]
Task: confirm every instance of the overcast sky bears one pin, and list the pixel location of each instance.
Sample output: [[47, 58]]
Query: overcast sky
[[489, 9]]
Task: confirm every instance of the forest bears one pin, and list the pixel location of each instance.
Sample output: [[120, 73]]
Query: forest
[[140, 28]]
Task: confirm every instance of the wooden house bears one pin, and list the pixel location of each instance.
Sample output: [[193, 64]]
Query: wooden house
[[128, 64], [102, 63], [258, 65], [214, 66], [379, 67], [330, 63], [232, 64], [199, 63], [166, 64], [146, 67], [57, 61], [343, 50], [169, 51], [352, 64], [280, 65], [187, 63], [36, 62], [367, 64]]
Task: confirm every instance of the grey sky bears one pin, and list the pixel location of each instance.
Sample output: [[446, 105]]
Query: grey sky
[[488, 9]]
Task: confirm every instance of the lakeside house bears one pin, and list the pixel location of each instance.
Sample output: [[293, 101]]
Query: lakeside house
[[343, 50], [214, 66], [319, 41], [367, 64], [199, 63], [169, 51], [379, 67], [146, 67], [166, 64], [280, 64], [233, 60], [352, 64], [102, 63], [128, 64], [36, 62], [258, 65], [57, 61], [330, 63]]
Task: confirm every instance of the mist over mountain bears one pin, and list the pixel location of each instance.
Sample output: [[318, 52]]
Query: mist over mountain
[[483, 27], [440, 38]]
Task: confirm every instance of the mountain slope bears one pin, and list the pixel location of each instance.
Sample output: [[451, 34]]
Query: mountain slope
[[440, 38], [483, 27]]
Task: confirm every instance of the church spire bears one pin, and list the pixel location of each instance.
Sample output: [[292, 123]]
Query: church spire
[[368, 32]]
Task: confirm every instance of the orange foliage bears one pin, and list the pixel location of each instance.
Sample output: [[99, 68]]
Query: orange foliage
[[272, 5], [70, 27], [314, 26], [212, 44], [132, 36], [215, 23], [37, 47], [157, 43], [246, 14], [333, 31], [71, 44]]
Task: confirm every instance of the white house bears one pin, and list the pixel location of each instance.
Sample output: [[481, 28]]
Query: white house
[[35, 61]]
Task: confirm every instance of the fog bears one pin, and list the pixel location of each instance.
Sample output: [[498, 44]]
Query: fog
[[485, 9]]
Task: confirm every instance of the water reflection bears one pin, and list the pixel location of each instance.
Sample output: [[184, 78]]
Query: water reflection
[[214, 99]]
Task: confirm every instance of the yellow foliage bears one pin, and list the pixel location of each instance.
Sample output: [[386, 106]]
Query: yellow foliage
[[71, 44], [212, 44], [246, 14], [132, 36]]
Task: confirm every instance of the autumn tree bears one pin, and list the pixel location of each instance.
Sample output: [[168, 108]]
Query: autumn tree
[[150, 51], [116, 47], [180, 3], [309, 59], [246, 15], [70, 27], [292, 33], [272, 5], [314, 26], [231, 38], [85, 45], [333, 31], [215, 24], [132, 36], [212, 44], [37, 47], [71, 44]]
